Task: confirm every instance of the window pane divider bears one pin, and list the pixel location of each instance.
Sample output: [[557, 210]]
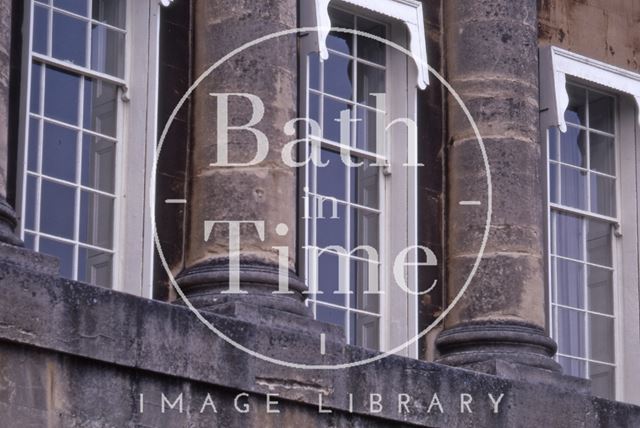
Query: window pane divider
[[349, 204], [587, 311], [347, 309], [352, 150], [351, 102], [86, 72], [71, 184], [74, 127], [360, 60], [69, 241], [586, 360], [579, 212]]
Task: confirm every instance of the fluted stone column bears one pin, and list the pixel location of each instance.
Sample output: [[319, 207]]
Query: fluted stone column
[[263, 192], [7, 215], [492, 62]]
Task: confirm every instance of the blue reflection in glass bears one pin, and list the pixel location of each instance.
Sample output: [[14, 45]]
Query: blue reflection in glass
[[329, 279], [338, 72], [69, 39], [75, 6], [36, 75], [331, 315], [40, 29], [62, 251], [57, 209], [332, 178], [62, 90], [59, 152], [331, 125], [30, 208], [34, 134], [331, 231]]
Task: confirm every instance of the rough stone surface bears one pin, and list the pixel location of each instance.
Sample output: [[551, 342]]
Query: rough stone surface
[[7, 215], [492, 64], [265, 191], [600, 29], [74, 355], [5, 55]]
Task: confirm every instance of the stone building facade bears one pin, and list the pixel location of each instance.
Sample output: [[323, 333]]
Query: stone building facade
[[460, 251]]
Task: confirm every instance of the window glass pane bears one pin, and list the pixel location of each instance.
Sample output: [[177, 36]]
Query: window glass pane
[[603, 193], [365, 331], [30, 241], [601, 338], [600, 283], [314, 71], [329, 279], [75, 6], [107, 50], [62, 90], [368, 48], [599, 242], [366, 128], [603, 156], [40, 29], [340, 41], [571, 332], [365, 183], [573, 189], [601, 112], [602, 380], [112, 12], [94, 267], [576, 111], [332, 178], [314, 110], [573, 367], [331, 228], [57, 209], [338, 80], [570, 283], [69, 39], [331, 125], [34, 138], [30, 208], [371, 80], [573, 146], [366, 279], [330, 315], [100, 107], [553, 143], [570, 236], [59, 152], [553, 183], [36, 75], [62, 251], [365, 230], [98, 163], [96, 219]]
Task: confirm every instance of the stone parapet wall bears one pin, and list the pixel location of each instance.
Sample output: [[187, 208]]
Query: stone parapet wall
[[75, 355]]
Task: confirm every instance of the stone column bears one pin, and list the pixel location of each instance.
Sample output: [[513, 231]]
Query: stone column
[[8, 221], [492, 62], [263, 192]]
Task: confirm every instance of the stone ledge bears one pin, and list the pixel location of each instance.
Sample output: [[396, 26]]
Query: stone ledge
[[123, 331]]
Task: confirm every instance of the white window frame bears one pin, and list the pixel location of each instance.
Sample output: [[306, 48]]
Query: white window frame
[[398, 186], [556, 67], [132, 269], [408, 12]]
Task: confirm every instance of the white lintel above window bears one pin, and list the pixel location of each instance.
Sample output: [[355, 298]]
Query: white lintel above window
[[407, 11], [556, 64]]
